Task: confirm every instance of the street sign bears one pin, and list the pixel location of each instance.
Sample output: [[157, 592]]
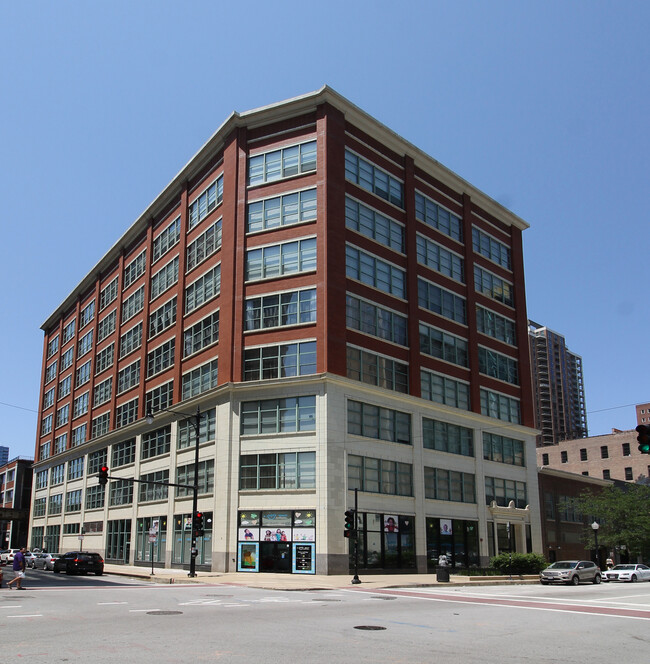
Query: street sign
[[80, 538], [152, 539]]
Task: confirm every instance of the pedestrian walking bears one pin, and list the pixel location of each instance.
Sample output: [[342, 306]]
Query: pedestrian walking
[[19, 570]]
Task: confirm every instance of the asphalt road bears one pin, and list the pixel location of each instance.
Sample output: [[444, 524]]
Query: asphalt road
[[111, 619]]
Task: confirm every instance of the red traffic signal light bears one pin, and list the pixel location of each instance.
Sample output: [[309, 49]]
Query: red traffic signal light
[[643, 438], [350, 517], [199, 526], [103, 475]]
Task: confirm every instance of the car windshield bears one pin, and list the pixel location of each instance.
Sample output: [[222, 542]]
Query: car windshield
[[565, 565], [624, 567]]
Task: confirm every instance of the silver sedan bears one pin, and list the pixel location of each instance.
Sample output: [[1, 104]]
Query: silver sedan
[[629, 572]]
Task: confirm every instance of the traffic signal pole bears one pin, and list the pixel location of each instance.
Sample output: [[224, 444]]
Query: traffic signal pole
[[355, 578]]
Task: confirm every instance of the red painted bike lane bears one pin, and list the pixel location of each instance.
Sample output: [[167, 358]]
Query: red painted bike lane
[[639, 614]]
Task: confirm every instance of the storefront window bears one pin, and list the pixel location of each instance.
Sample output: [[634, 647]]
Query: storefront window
[[386, 541], [456, 539], [183, 540], [144, 548]]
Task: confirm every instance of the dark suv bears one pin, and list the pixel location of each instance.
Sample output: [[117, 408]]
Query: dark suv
[[77, 562]]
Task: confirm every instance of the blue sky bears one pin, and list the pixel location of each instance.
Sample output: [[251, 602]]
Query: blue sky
[[542, 105]]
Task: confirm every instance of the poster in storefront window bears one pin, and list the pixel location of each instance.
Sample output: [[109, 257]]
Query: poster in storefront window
[[249, 535], [445, 527], [304, 560], [248, 559], [391, 523], [304, 518], [304, 534], [275, 519], [249, 518], [275, 534]]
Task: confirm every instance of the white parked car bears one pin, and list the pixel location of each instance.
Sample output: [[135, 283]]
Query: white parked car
[[45, 561], [629, 572]]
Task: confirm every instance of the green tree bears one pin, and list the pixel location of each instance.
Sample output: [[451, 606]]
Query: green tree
[[623, 515]]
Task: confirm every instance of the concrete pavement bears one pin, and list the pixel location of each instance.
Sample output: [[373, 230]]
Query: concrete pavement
[[271, 581]]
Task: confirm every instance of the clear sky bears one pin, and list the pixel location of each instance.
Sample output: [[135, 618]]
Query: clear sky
[[543, 105]]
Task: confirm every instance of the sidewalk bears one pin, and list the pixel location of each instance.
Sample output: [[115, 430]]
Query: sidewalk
[[270, 581]]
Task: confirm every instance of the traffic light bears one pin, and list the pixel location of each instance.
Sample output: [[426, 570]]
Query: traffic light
[[103, 475], [350, 528], [198, 524], [644, 438]]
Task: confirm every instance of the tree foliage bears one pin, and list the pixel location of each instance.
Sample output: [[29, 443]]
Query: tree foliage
[[623, 515]]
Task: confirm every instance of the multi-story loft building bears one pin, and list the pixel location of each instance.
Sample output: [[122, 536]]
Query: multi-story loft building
[[15, 495], [643, 413], [613, 456], [227, 295], [558, 387], [4, 455]]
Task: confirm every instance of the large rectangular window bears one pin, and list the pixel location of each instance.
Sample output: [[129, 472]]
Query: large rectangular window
[[150, 492], [135, 269], [440, 259], [128, 377], [207, 201], [164, 279], [126, 413], [370, 318], [451, 485], [496, 326], [100, 425], [133, 304], [160, 397], [373, 271], [200, 380], [503, 491], [160, 358], [443, 345], [156, 443], [497, 365], [85, 344], [123, 453], [442, 302], [187, 431], [106, 326], [281, 259], [281, 309], [377, 370], [204, 246], [445, 390], [491, 248], [437, 217], [291, 470], [492, 286], [503, 449], [447, 437], [121, 493], [278, 416], [201, 334], [364, 419], [374, 179], [166, 240], [105, 358], [283, 163], [95, 497], [131, 340], [500, 406], [284, 360], [373, 224], [203, 289], [283, 210], [205, 479], [380, 476], [162, 318]]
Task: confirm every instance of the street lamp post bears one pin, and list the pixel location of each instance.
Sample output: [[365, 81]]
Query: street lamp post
[[595, 526], [196, 422]]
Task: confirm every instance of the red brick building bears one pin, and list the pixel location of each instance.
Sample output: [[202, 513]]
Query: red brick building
[[346, 313]]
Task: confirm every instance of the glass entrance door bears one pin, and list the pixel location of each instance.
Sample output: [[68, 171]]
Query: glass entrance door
[[275, 557]]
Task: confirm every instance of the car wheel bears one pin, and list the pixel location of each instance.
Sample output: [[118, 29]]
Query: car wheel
[[597, 579], [575, 580], [634, 579], [98, 573], [544, 583]]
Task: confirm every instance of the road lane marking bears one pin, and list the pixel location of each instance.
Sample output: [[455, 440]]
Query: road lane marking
[[109, 603], [32, 615]]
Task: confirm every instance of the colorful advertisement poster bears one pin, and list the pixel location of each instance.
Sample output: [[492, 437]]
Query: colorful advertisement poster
[[248, 559], [249, 535], [391, 523], [304, 534], [445, 527], [304, 558], [275, 534], [304, 519]]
